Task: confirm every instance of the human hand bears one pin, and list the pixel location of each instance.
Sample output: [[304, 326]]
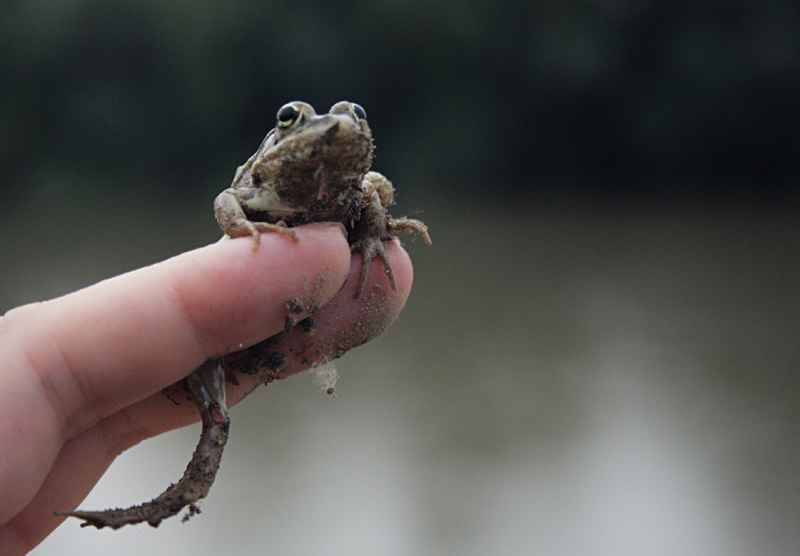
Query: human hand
[[82, 375]]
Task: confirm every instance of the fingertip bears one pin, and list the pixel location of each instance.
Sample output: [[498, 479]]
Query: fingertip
[[322, 245], [347, 322], [378, 281], [236, 295], [132, 335], [403, 269]]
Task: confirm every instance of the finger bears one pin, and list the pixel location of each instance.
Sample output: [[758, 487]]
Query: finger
[[345, 323], [76, 359], [340, 325], [126, 337], [75, 470]]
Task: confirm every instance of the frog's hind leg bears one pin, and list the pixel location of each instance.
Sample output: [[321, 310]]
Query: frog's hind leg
[[373, 230], [207, 386], [409, 226]]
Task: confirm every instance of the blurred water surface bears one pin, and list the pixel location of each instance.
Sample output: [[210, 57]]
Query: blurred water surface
[[559, 383]]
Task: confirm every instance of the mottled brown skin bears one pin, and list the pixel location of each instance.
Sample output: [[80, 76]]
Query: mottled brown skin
[[310, 168]]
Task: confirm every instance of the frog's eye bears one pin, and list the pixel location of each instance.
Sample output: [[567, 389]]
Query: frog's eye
[[288, 115], [358, 112], [351, 109]]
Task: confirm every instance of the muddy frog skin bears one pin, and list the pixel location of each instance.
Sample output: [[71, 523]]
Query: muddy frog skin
[[310, 168]]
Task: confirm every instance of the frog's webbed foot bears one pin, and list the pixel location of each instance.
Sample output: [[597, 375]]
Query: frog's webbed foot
[[370, 248], [255, 229], [207, 387], [375, 227]]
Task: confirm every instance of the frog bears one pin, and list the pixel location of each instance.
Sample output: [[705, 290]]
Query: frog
[[312, 168], [309, 168]]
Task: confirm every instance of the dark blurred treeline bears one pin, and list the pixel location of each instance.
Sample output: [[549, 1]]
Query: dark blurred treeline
[[608, 98]]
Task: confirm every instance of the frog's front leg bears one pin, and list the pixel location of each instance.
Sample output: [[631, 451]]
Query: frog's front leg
[[234, 222]]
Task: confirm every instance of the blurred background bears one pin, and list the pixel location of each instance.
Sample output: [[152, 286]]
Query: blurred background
[[600, 353]]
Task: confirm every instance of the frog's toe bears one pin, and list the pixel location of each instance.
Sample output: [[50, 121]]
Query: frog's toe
[[253, 231], [371, 248], [264, 227], [409, 226]]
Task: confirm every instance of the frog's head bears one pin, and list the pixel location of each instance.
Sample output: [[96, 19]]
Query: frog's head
[[314, 155]]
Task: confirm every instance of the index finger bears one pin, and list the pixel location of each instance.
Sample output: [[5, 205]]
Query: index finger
[[71, 361]]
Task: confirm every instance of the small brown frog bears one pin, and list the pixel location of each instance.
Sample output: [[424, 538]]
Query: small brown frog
[[310, 168], [314, 168]]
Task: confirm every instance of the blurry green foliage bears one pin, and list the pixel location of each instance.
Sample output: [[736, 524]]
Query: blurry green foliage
[[640, 94]]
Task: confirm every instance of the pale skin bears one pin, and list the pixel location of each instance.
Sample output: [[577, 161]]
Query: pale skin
[[82, 375]]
